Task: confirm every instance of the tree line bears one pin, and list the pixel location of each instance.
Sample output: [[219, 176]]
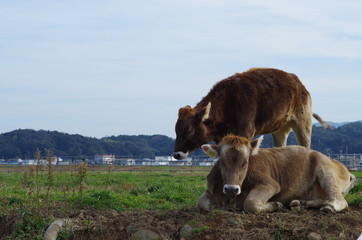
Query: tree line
[[23, 143]]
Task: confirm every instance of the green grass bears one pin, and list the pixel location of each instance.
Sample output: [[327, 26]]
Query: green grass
[[357, 174], [33, 198], [111, 190], [116, 190], [354, 197]]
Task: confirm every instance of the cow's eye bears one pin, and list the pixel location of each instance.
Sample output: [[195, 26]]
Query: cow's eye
[[243, 164], [189, 132], [222, 163]]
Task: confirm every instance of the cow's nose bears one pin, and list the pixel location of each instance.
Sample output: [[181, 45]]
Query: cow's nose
[[180, 155], [176, 155], [231, 189]]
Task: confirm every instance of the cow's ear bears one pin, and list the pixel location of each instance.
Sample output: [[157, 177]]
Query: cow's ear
[[203, 114], [211, 150], [255, 145]]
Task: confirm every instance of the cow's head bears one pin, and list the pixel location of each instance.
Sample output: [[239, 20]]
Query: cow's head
[[233, 153], [191, 131]]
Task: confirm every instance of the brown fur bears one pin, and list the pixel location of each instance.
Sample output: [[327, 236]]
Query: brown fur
[[273, 177], [186, 111], [231, 140], [258, 101]]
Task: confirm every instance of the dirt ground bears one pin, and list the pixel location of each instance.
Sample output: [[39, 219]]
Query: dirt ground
[[287, 224]]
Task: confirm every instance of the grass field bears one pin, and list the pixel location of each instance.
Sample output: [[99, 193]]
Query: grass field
[[109, 189], [36, 197], [357, 174]]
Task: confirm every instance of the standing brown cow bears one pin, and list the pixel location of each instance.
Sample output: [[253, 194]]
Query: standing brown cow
[[259, 101]]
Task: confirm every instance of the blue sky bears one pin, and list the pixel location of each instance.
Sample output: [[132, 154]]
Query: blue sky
[[101, 68]]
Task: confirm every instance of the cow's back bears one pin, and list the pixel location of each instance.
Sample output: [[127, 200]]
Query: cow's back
[[296, 169], [261, 97]]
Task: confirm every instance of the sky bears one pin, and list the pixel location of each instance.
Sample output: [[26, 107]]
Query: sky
[[103, 68]]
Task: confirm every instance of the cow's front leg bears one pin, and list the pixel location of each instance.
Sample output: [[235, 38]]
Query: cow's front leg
[[206, 202], [257, 199]]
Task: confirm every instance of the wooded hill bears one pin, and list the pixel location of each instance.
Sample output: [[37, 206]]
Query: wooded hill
[[24, 142]]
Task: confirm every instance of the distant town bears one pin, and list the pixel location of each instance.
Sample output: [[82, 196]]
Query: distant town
[[113, 160], [352, 161]]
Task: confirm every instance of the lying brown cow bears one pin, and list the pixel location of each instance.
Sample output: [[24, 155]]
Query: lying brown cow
[[263, 180], [258, 101]]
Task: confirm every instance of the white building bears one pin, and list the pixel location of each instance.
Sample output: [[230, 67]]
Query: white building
[[104, 159], [125, 161], [54, 161], [164, 160]]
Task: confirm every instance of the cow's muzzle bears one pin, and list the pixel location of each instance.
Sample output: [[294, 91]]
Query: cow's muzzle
[[180, 155], [231, 189]]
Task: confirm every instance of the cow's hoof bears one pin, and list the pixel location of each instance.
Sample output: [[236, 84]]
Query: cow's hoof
[[295, 209], [204, 208], [327, 209], [295, 205], [277, 205]]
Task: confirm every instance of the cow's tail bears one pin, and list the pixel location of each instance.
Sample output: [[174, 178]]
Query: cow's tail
[[324, 124]]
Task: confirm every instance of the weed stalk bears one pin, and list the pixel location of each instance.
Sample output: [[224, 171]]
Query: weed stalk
[[49, 157], [82, 173]]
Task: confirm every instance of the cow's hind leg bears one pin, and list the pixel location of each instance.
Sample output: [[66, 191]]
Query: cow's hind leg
[[323, 205], [280, 136], [257, 199], [303, 130], [315, 203], [335, 201]]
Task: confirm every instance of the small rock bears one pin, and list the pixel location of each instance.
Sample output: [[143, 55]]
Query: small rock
[[186, 232], [53, 230], [234, 222], [145, 235], [314, 236], [82, 213]]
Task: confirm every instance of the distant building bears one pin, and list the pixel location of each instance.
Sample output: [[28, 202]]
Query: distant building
[[54, 161], [104, 159], [147, 162], [124, 161], [64, 163], [164, 160], [13, 161], [28, 162]]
